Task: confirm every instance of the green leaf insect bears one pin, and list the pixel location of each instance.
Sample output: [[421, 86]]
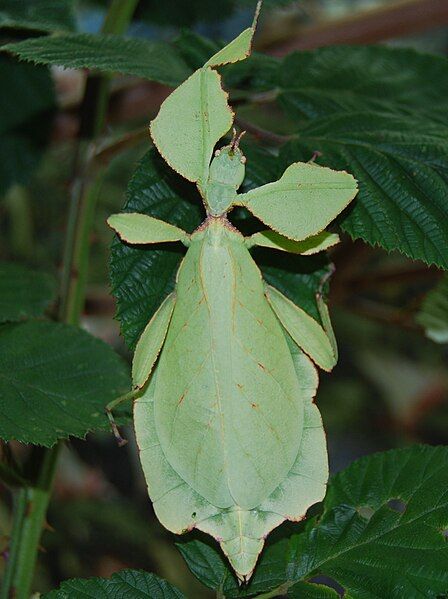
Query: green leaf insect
[[230, 440]]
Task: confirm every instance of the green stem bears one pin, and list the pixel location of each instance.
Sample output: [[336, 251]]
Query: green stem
[[32, 502], [20, 502], [32, 508]]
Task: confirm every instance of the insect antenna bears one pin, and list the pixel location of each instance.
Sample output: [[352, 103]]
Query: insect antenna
[[236, 139]]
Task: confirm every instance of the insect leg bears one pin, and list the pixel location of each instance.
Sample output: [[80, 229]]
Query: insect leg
[[304, 330], [131, 395], [324, 313]]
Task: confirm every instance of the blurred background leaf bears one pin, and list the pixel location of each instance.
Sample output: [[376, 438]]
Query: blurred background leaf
[[433, 315], [24, 293], [25, 119], [42, 15]]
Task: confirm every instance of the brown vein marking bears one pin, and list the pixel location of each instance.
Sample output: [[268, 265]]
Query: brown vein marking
[[267, 422], [268, 372], [257, 320], [187, 388], [168, 348]]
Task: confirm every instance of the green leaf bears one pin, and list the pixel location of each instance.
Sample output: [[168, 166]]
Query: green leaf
[[379, 113], [205, 562], [382, 533], [24, 293], [341, 79], [383, 530], [55, 381], [433, 315], [401, 166], [27, 102], [312, 591], [129, 584], [157, 61], [39, 15]]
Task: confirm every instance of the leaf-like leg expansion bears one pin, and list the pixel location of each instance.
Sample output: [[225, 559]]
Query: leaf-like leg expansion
[[190, 122], [151, 341], [303, 201], [133, 227], [304, 330], [109, 411], [310, 245], [239, 48]]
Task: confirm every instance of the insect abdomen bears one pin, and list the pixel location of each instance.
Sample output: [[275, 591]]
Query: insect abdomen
[[226, 400]]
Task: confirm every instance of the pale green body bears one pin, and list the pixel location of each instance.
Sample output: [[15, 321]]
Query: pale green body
[[224, 364], [229, 438]]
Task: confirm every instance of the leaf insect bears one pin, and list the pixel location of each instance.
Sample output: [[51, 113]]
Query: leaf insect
[[230, 440]]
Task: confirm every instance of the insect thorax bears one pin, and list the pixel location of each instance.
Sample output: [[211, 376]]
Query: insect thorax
[[226, 175]]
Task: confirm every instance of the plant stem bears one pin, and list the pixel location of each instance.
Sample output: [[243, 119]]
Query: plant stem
[[32, 502], [20, 502]]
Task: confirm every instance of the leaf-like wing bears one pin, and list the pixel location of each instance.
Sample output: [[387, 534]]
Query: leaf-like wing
[[190, 122], [303, 201], [241, 533], [225, 406], [305, 331], [141, 228], [311, 245], [151, 341]]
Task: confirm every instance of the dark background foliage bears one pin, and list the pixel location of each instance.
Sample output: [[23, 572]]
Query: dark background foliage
[[379, 112]]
